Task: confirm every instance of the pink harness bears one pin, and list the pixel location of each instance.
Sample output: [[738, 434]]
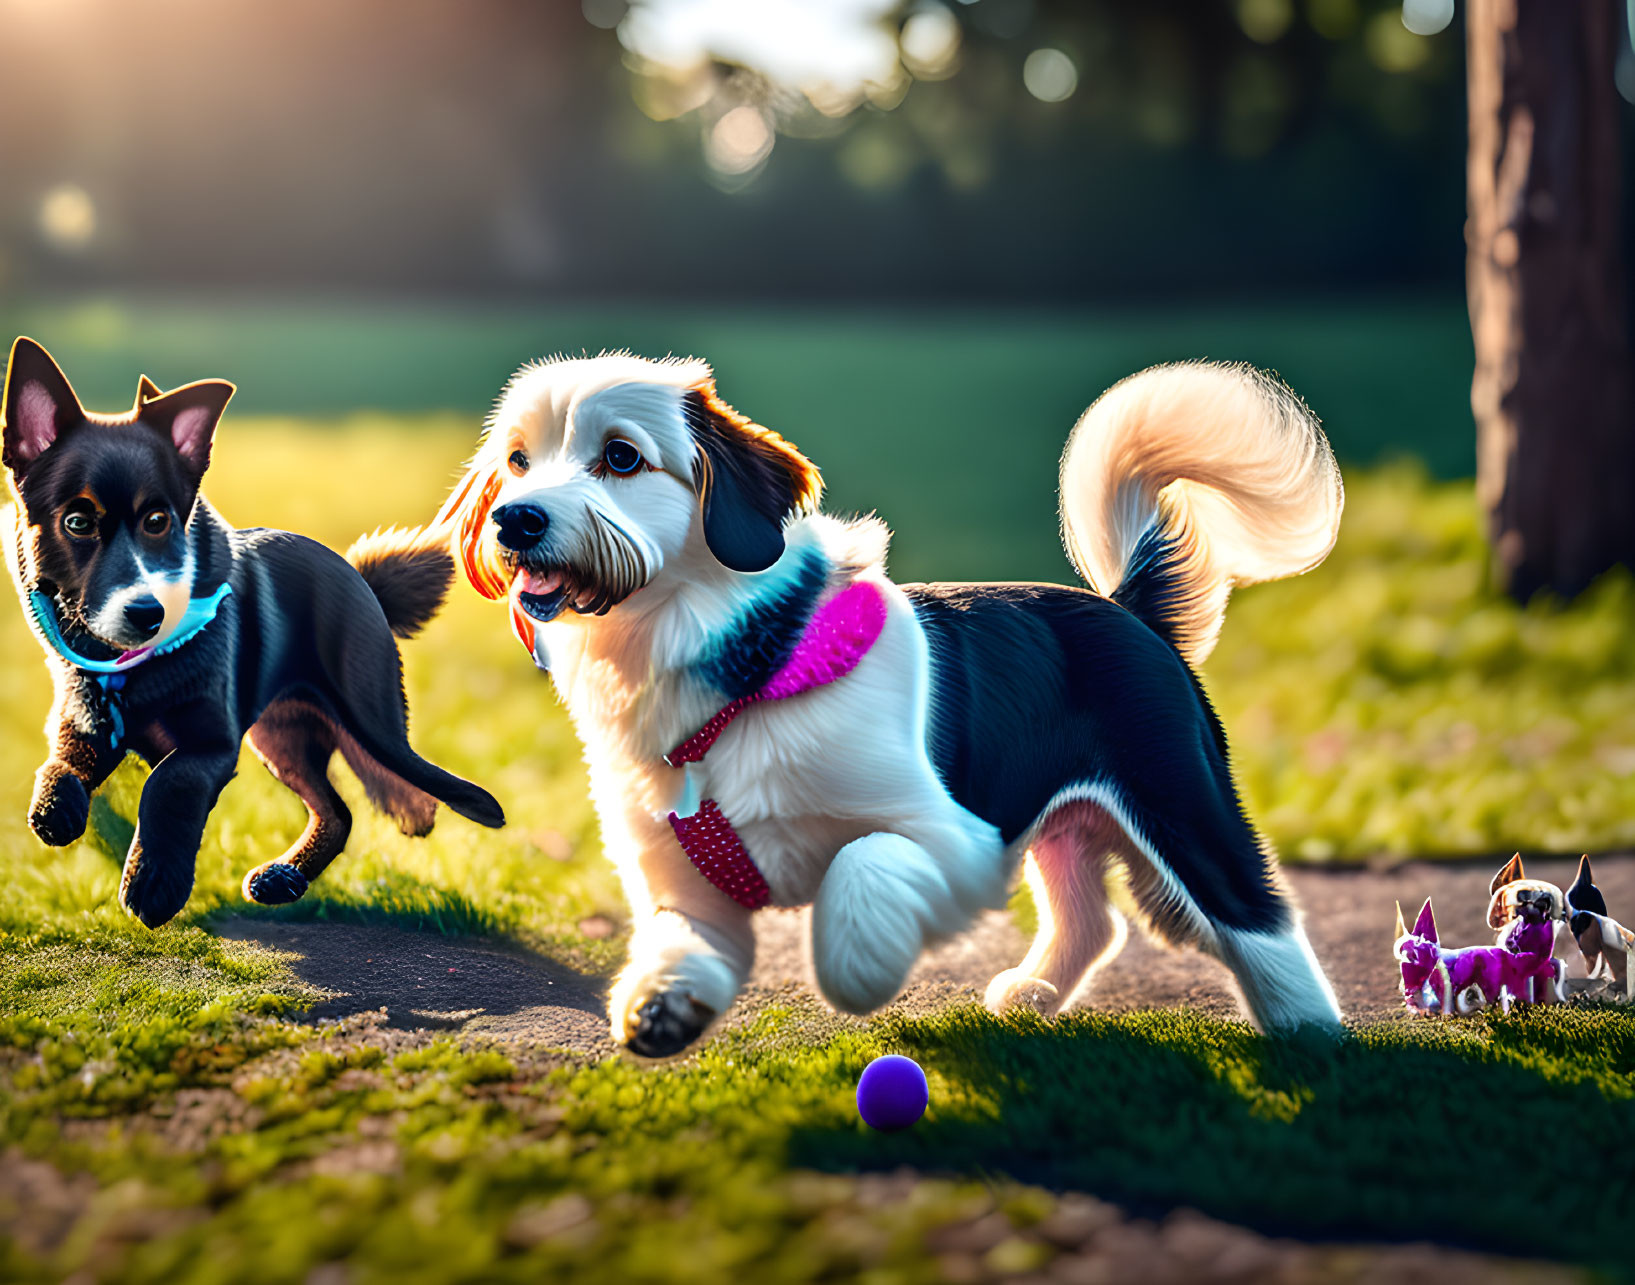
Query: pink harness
[[837, 637]]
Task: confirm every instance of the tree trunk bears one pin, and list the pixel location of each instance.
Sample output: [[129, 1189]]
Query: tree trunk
[[1555, 444]]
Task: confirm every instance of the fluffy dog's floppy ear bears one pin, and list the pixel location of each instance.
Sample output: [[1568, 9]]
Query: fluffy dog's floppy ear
[[466, 511], [188, 416], [39, 404], [749, 482], [1511, 871]]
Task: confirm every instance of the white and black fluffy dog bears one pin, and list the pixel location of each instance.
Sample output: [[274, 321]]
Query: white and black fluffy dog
[[664, 559]]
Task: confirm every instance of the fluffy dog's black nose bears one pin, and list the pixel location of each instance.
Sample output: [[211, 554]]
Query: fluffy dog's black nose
[[144, 615], [520, 525]]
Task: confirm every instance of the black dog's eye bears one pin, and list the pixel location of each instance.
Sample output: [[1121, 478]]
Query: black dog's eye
[[518, 462], [79, 523], [155, 522], [620, 456]]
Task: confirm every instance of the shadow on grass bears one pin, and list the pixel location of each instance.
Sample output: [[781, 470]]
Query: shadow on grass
[[427, 981], [1511, 1135], [428, 955]]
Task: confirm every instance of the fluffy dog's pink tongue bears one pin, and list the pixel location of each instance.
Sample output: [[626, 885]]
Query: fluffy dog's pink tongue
[[538, 582]]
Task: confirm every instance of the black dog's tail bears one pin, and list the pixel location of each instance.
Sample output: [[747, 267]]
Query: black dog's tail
[[409, 571], [1187, 479]]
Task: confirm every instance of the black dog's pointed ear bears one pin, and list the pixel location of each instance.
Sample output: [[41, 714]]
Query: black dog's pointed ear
[[750, 481], [39, 404], [146, 391], [1511, 872], [1584, 895], [188, 416]]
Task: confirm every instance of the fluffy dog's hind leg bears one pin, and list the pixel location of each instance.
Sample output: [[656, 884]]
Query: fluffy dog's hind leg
[[1201, 877], [1282, 983], [1067, 868], [296, 744]]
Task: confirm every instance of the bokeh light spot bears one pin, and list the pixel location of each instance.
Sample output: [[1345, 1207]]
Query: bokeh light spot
[[1426, 17], [606, 14], [1332, 19], [842, 45], [1623, 74], [739, 141], [1264, 21], [1392, 47], [1050, 75], [930, 43], [68, 217]]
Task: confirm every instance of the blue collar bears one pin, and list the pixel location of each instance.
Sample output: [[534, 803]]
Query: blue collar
[[200, 612]]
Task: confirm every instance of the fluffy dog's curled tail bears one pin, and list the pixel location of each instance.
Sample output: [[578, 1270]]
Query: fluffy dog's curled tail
[[1187, 479], [409, 571]]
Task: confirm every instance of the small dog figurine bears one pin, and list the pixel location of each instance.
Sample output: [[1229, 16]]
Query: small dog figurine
[[1525, 912], [770, 720], [1517, 900], [171, 635], [1465, 980], [1604, 942]]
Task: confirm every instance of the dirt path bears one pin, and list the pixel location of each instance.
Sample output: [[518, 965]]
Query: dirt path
[[436, 983]]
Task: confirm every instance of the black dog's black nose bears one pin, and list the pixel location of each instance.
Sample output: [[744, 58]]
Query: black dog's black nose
[[520, 525], [145, 615]]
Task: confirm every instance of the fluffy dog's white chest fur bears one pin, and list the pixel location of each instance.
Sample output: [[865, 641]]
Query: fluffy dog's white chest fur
[[798, 778]]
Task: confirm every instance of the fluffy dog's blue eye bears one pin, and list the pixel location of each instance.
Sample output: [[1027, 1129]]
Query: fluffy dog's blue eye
[[79, 523], [620, 456], [518, 462]]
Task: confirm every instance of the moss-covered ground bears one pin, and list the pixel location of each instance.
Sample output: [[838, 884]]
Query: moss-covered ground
[[180, 1121]]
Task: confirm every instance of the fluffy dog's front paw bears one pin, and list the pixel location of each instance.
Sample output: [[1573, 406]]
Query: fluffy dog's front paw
[[60, 810], [665, 1024], [1015, 989], [275, 884]]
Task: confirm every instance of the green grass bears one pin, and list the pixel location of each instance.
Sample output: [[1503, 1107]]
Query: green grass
[[1386, 703], [1389, 703], [436, 1163]]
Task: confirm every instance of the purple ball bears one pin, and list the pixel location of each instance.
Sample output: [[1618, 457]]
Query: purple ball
[[892, 1093]]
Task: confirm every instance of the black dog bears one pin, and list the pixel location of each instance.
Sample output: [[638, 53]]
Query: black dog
[[171, 635]]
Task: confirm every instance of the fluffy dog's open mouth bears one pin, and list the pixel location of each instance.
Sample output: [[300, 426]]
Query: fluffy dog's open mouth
[[542, 594]]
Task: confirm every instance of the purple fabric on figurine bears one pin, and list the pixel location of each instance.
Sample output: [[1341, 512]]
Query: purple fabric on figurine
[[1465, 980]]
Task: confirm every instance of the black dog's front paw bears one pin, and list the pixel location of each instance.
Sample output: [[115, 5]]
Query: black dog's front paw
[[59, 811], [667, 1023], [154, 891], [275, 884]]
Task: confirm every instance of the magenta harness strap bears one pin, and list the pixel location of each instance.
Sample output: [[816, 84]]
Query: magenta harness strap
[[836, 638]]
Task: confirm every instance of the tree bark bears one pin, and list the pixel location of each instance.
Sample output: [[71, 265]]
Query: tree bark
[[1552, 395]]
